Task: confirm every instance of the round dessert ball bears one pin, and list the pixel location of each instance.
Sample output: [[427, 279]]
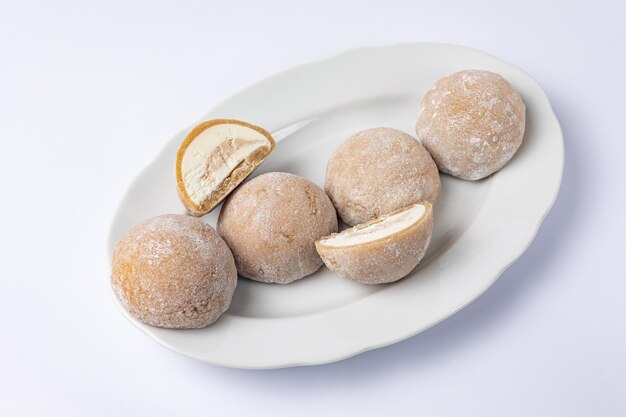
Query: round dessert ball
[[472, 123], [377, 171], [271, 224], [174, 271]]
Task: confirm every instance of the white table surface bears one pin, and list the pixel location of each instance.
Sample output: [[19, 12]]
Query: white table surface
[[90, 91]]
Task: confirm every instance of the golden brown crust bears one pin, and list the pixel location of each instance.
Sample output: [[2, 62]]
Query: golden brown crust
[[472, 123], [377, 171], [383, 260], [271, 223], [232, 181], [173, 271]]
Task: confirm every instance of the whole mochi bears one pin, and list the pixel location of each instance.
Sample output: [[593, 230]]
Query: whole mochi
[[472, 123], [377, 171], [271, 224], [174, 271]]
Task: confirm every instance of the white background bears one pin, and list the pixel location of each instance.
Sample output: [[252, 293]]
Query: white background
[[89, 92]]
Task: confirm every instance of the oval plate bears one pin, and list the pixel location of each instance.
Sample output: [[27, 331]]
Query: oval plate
[[480, 227]]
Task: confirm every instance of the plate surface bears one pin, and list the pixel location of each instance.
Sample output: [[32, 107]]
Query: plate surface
[[480, 227]]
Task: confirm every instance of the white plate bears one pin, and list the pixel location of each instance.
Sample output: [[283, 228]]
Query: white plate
[[480, 227]]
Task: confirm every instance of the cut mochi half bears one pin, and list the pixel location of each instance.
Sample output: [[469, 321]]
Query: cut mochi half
[[215, 157], [382, 250]]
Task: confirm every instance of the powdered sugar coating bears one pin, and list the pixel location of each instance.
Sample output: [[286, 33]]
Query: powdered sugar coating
[[271, 224], [472, 123], [174, 271], [377, 171]]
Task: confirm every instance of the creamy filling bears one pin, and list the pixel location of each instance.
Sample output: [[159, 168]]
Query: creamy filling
[[382, 229], [214, 154]]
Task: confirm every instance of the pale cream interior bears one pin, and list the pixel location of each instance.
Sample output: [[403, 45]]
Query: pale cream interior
[[386, 227], [213, 155]]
